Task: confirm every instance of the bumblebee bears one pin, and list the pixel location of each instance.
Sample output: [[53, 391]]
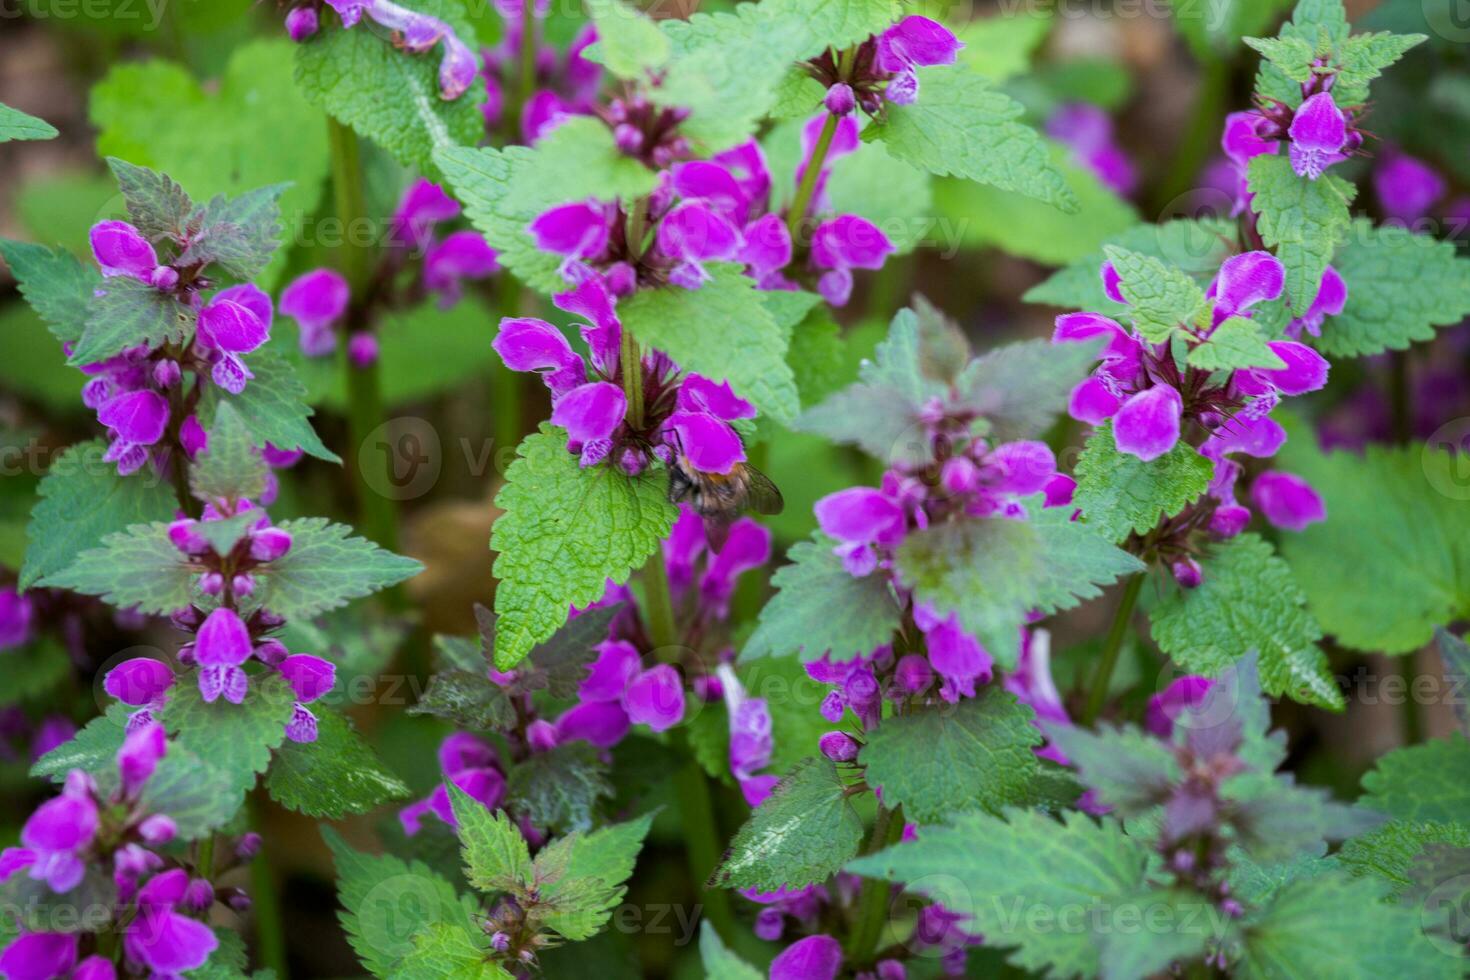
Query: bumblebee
[[719, 498]]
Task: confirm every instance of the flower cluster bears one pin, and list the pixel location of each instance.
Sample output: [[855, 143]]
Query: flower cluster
[[1318, 132], [411, 31], [84, 831], [565, 84], [882, 68], [473, 766], [321, 301], [683, 414], [224, 640], [139, 394]]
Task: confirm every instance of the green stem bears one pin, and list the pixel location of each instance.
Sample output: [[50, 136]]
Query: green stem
[[205, 861], [1101, 680], [377, 516], [701, 837], [808, 184], [872, 903], [1412, 718], [659, 601], [270, 933]]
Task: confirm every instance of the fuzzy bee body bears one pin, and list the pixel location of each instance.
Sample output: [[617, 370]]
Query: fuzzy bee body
[[719, 498]]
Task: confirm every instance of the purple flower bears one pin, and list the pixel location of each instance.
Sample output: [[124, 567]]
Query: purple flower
[[603, 723], [310, 678], [1242, 140], [301, 23], [471, 765], [139, 756], [1287, 501], [747, 546], [1184, 693], [16, 611], [578, 230], [121, 250], [136, 420], [912, 43], [1032, 683], [840, 99], [160, 938], [59, 831], [457, 69], [813, 958], [838, 746], [655, 698], [221, 646], [236, 321], [423, 205], [692, 234], [863, 520], [40, 956], [617, 663], [315, 300], [460, 255], [1088, 131], [842, 244], [1147, 424], [141, 682], [955, 655], [1407, 187], [1245, 280], [751, 743], [1318, 136], [1331, 297]]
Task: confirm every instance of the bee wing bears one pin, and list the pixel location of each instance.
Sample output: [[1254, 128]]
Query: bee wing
[[764, 497]]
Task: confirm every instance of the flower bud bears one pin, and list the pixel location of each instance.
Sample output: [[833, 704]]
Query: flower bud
[[301, 23], [838, 746], [167, 373], [242, 585], [211, 583], [832, 706], [500, 942], [1187, 573], [541, 735], [269, 544], [840, 99], [248, 846], [164, 278], [199, 895], [158, 829], [628, 137], [362, 348], [238, 900], [913, 674], [271, 651]]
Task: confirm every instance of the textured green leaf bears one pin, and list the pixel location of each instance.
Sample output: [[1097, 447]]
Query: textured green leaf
[[1302, 220], [83, 500], [1160, 297], [748, 349], [1336, 925], [1131, 770], [821, 609], [589, 875], [496, 857], [1363, 57], [804, 832], [1323, 25], [951, 758], [629, 44], [124, 312], [387, 903], [1400, 512], [720, 962], [134, 569], [446, 952], [995, 870], [57, 286], [17, 125], [92, 749], [326, 568], [1391, 851], [249, 127], [235, 739], [1248, 601], [1279, 820], [388, 95], [1235, 343], [839, 23], [564, 532], [1430, 781], [337, 775], [559, 789], [467, 700], [961, 127], [1401, 286], [272, 406], [198, 796], [1292, 56], [1195, 246], [1120, 493], [994, 571], [231, 468], [237, 234], [503, 190], [1021, 388], [157, 206]]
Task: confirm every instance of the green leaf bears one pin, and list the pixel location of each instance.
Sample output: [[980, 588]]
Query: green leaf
[[1401, 286], [467, 700], [839, 23], [390, 96], [563, 533], [820, 609], [157, 206], [1248, 601], [961, 127], [583, 876], [803, 833], [503, 190], [231, 468], [235, 739], [748, 349], [1323, 25], [496, 857], [1021, 388], [979, 216], [1363, 57], [1430, 781], [1292, 56], [1236, 343], [1120, 493], [994, 571], [629, 44], [250, 127], [1195, 246], [1390, 851], [336, 775], [720, 962], [940, 761], [1335, 925], [57, 286], [272, 406], [17, 125], [238, 234], [446, 952], [93, 749], [387, 903], [134, 569], [326, 568], [1302, 220], [1160, 297], [198, 796], [1279, 820], [1001, 47], [1400, 512], [993, 870], [83, 500], [124, 312], [559, 789]]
